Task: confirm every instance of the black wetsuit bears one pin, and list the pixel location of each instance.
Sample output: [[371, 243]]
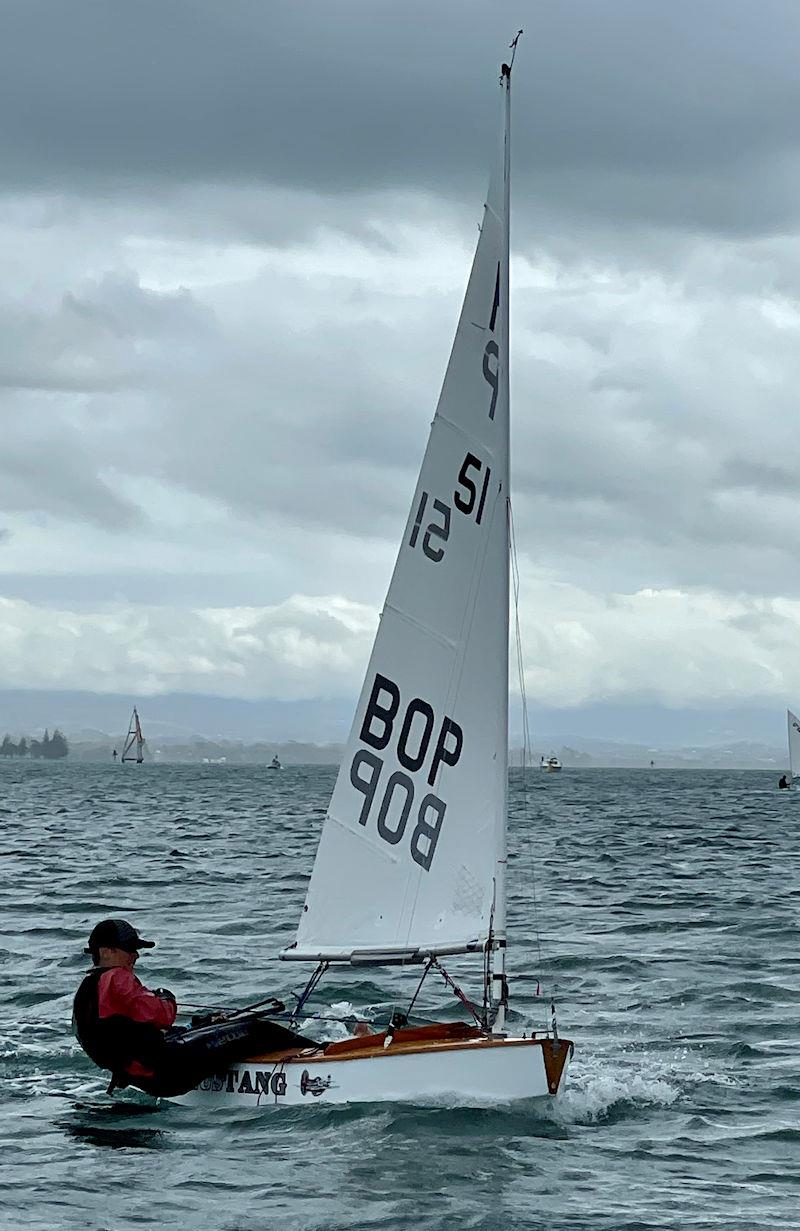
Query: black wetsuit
[[177, 1059], [187, 1057]]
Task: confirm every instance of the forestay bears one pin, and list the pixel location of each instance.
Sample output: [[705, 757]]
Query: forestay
[[412, 855], [794, 743]]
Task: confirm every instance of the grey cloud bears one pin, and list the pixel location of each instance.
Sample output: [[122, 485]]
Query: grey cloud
[[299, 396], [88, 342], [55, 476], [52, 365], [230, 280], [683, 113], [760, 477]]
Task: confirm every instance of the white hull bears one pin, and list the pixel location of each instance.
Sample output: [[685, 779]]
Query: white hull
[[474, 1071]]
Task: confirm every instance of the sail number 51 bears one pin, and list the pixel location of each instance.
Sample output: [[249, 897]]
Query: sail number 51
[[465, 498]]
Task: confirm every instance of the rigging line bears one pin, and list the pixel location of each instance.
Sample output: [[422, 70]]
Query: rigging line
[[527, 756], [308, 989], [419, 986], [467, 1003]]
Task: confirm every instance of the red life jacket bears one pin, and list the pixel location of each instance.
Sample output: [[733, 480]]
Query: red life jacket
[[111, 1042]]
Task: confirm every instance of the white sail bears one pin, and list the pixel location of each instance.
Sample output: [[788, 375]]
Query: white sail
[[133, 749], [412, 855], [794, 744]]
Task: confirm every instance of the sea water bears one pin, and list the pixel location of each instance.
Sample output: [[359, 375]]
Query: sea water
[[660, 907]]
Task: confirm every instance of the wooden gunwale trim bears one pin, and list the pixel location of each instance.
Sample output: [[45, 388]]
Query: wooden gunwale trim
[[397, 1049]]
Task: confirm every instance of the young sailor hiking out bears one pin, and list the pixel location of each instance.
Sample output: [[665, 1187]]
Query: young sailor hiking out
[[126, 1028]]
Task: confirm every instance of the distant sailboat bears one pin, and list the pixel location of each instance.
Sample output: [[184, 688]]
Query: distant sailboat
[[134, 740], [275, 764], [794, 746], [411, 863]]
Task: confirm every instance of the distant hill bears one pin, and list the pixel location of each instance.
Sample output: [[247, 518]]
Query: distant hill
[[189, 727], [597, 753], [586, 754], [228, 752]]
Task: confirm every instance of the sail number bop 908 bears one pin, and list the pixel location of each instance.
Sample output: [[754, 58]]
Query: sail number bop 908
[[414, 740]]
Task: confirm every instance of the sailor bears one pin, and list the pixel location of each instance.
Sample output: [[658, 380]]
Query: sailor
[[125, 1027], [118, 1022], [783, 784]]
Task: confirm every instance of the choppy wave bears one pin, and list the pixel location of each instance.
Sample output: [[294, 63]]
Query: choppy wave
[[668, 909]]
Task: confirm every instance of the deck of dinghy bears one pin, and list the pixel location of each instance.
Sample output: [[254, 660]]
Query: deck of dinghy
[[437, 1037]]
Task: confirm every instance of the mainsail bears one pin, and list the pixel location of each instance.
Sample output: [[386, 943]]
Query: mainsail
[[794, 744], [411, 860], [134, 740]]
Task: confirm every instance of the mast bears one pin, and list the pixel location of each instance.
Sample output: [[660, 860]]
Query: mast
[[498, 992]]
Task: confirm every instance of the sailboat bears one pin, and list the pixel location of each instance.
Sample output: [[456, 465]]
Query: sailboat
[[275, 763], [794, 745], [411, 863], [134, 740]]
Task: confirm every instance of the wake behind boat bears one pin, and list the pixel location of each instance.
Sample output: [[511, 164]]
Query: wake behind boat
[[411, 864]]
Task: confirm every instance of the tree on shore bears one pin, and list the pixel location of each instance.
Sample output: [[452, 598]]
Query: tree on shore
[[57, 746], [51, 747]]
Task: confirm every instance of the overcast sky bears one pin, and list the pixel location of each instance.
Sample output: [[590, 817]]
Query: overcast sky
[[234, 238]]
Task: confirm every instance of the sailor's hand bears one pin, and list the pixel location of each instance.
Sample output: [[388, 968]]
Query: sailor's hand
[[208, 1019], [164, 994]]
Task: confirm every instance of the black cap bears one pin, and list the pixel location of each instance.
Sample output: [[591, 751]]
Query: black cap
[[116, 934]]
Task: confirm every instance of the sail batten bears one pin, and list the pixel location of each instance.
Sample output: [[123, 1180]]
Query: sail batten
[[443, 421], [426, 629], [413, 845]]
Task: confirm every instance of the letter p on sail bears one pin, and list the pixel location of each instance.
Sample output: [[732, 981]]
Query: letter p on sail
[[448, 748]]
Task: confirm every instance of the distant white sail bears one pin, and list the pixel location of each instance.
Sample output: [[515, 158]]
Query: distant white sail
[[134, 740], [794, 743], [412, 853]]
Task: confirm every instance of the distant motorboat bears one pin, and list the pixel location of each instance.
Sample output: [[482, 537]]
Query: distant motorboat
[[274, 764], [551, 764]]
